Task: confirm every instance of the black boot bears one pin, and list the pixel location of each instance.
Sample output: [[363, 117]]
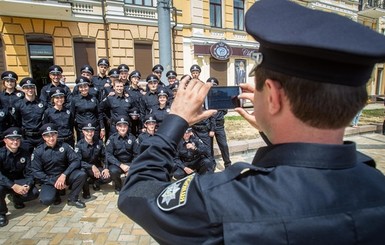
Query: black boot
[[383, 128], [86, 191]]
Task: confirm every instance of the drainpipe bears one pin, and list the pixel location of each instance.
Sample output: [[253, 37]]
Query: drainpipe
[[163, 9], [175, 17], [105, 25]]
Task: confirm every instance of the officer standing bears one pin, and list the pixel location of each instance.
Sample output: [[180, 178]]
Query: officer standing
[[92, 155], [123, 74], [10, 95], [308, 186], [16, 176], [100, 80], [150, 127], [120, 151], [85, 107], [28, 114], [171, 77], [162, 109], [62, 117], [116, 105], [88, 72], [56, 165], [219, 130], [195, 71], [55, 74], [191, 157]]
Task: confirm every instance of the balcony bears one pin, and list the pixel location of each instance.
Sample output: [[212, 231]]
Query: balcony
[[372, 8]]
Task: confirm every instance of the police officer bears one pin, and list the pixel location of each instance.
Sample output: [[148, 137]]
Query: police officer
[[55, 74], [16, 176], [308, 186], [85, 107], [150, 99], [157, 70], [56, 165], [116, 105], [161, 110], [171, 77], [92, 155], [123, 74], [28, 114], [113, 75], [120, 151], [88, 72], [100, 80], [62, 117], [10, 95], [219, 130], [202, 130], [192, 156], [195, 71], [150, 127], [4, 122], [136, 93]]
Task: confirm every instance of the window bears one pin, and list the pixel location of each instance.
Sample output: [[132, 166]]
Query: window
[[143, 58], [85, 53], [140, 2], [239, 10], [218, 69], [216, 13]]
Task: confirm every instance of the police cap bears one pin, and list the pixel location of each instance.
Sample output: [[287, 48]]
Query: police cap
[[87, 125], [162, 93], [312, 44], [56, 92], [12, 132], [195, 68], [212, 80], [48, 128], [87, 69], [82, 80], [123, 68], [135, 74], [149, 118], [27, 82], [113, 73], [122, 119], [158, 68], [104, 62], [55, 70], [9, 75], [134, 113], [152, 78], [171, 74]]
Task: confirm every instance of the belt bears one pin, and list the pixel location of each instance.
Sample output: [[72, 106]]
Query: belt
[[65, 138], [200, 128], [32, 134]]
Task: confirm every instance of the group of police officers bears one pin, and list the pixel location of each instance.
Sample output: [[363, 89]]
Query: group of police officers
[[57, 138]]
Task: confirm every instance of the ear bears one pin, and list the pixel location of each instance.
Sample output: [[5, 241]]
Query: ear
[[274, 96]]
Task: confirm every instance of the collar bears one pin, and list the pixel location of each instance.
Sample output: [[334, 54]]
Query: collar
[[321, 156]]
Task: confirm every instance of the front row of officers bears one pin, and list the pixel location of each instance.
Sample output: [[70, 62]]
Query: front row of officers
[[55, 165]]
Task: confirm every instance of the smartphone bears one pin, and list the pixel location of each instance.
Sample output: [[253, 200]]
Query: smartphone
[[223, 97]]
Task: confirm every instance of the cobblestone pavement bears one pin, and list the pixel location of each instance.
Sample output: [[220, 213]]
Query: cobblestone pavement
[[102, 223]]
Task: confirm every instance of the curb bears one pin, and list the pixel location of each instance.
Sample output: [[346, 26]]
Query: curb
[[239, 147]]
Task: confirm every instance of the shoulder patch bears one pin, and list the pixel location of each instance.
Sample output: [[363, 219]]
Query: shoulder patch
[[175, 195]]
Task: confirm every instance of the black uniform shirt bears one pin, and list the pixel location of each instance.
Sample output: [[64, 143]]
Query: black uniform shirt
[[29, 115], [85, 108], [90, 154], [116, 106], [189, 155], [45, 94], [298, 193], [159, 113], [94, 91], [8, 100], [49, 163], [99, 81], [63, 119], [14, 166], [120, 149]]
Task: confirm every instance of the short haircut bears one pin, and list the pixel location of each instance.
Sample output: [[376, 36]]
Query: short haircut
[[320, 105]]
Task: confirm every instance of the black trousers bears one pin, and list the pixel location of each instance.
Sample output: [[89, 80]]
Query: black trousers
[[76, 180], [201, 166], [90, 175], [220, 136], [32, 194], [115, 172]]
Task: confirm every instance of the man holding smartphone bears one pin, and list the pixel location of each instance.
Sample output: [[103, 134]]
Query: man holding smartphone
[[308, 186]]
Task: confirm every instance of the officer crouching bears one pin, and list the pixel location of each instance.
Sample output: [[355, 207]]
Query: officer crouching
[[15, 174], [192, 156], [56, 165]]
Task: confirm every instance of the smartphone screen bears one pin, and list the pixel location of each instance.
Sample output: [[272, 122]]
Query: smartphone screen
[[223, 97]]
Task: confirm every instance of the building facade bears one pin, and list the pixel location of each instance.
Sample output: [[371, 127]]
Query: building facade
[[210, 33]]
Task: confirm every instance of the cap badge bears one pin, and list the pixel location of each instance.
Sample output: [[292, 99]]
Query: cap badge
[[257, 57], [14, 132], [89, 125]]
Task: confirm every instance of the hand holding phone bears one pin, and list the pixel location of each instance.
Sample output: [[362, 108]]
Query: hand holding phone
[[223, 97]]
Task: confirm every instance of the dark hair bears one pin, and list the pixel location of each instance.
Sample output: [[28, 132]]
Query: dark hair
[[320, 105]]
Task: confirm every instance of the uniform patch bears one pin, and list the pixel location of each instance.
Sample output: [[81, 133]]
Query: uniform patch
[[68, 112], [2, 114], [22, 160], [175, 195], [92, 100], [129, 141], [32, 157], [18, 94], [61, 149], [40, 105], [76, 149], [108, 142]]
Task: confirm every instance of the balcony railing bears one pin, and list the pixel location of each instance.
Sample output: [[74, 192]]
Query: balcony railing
[[376, 4]]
